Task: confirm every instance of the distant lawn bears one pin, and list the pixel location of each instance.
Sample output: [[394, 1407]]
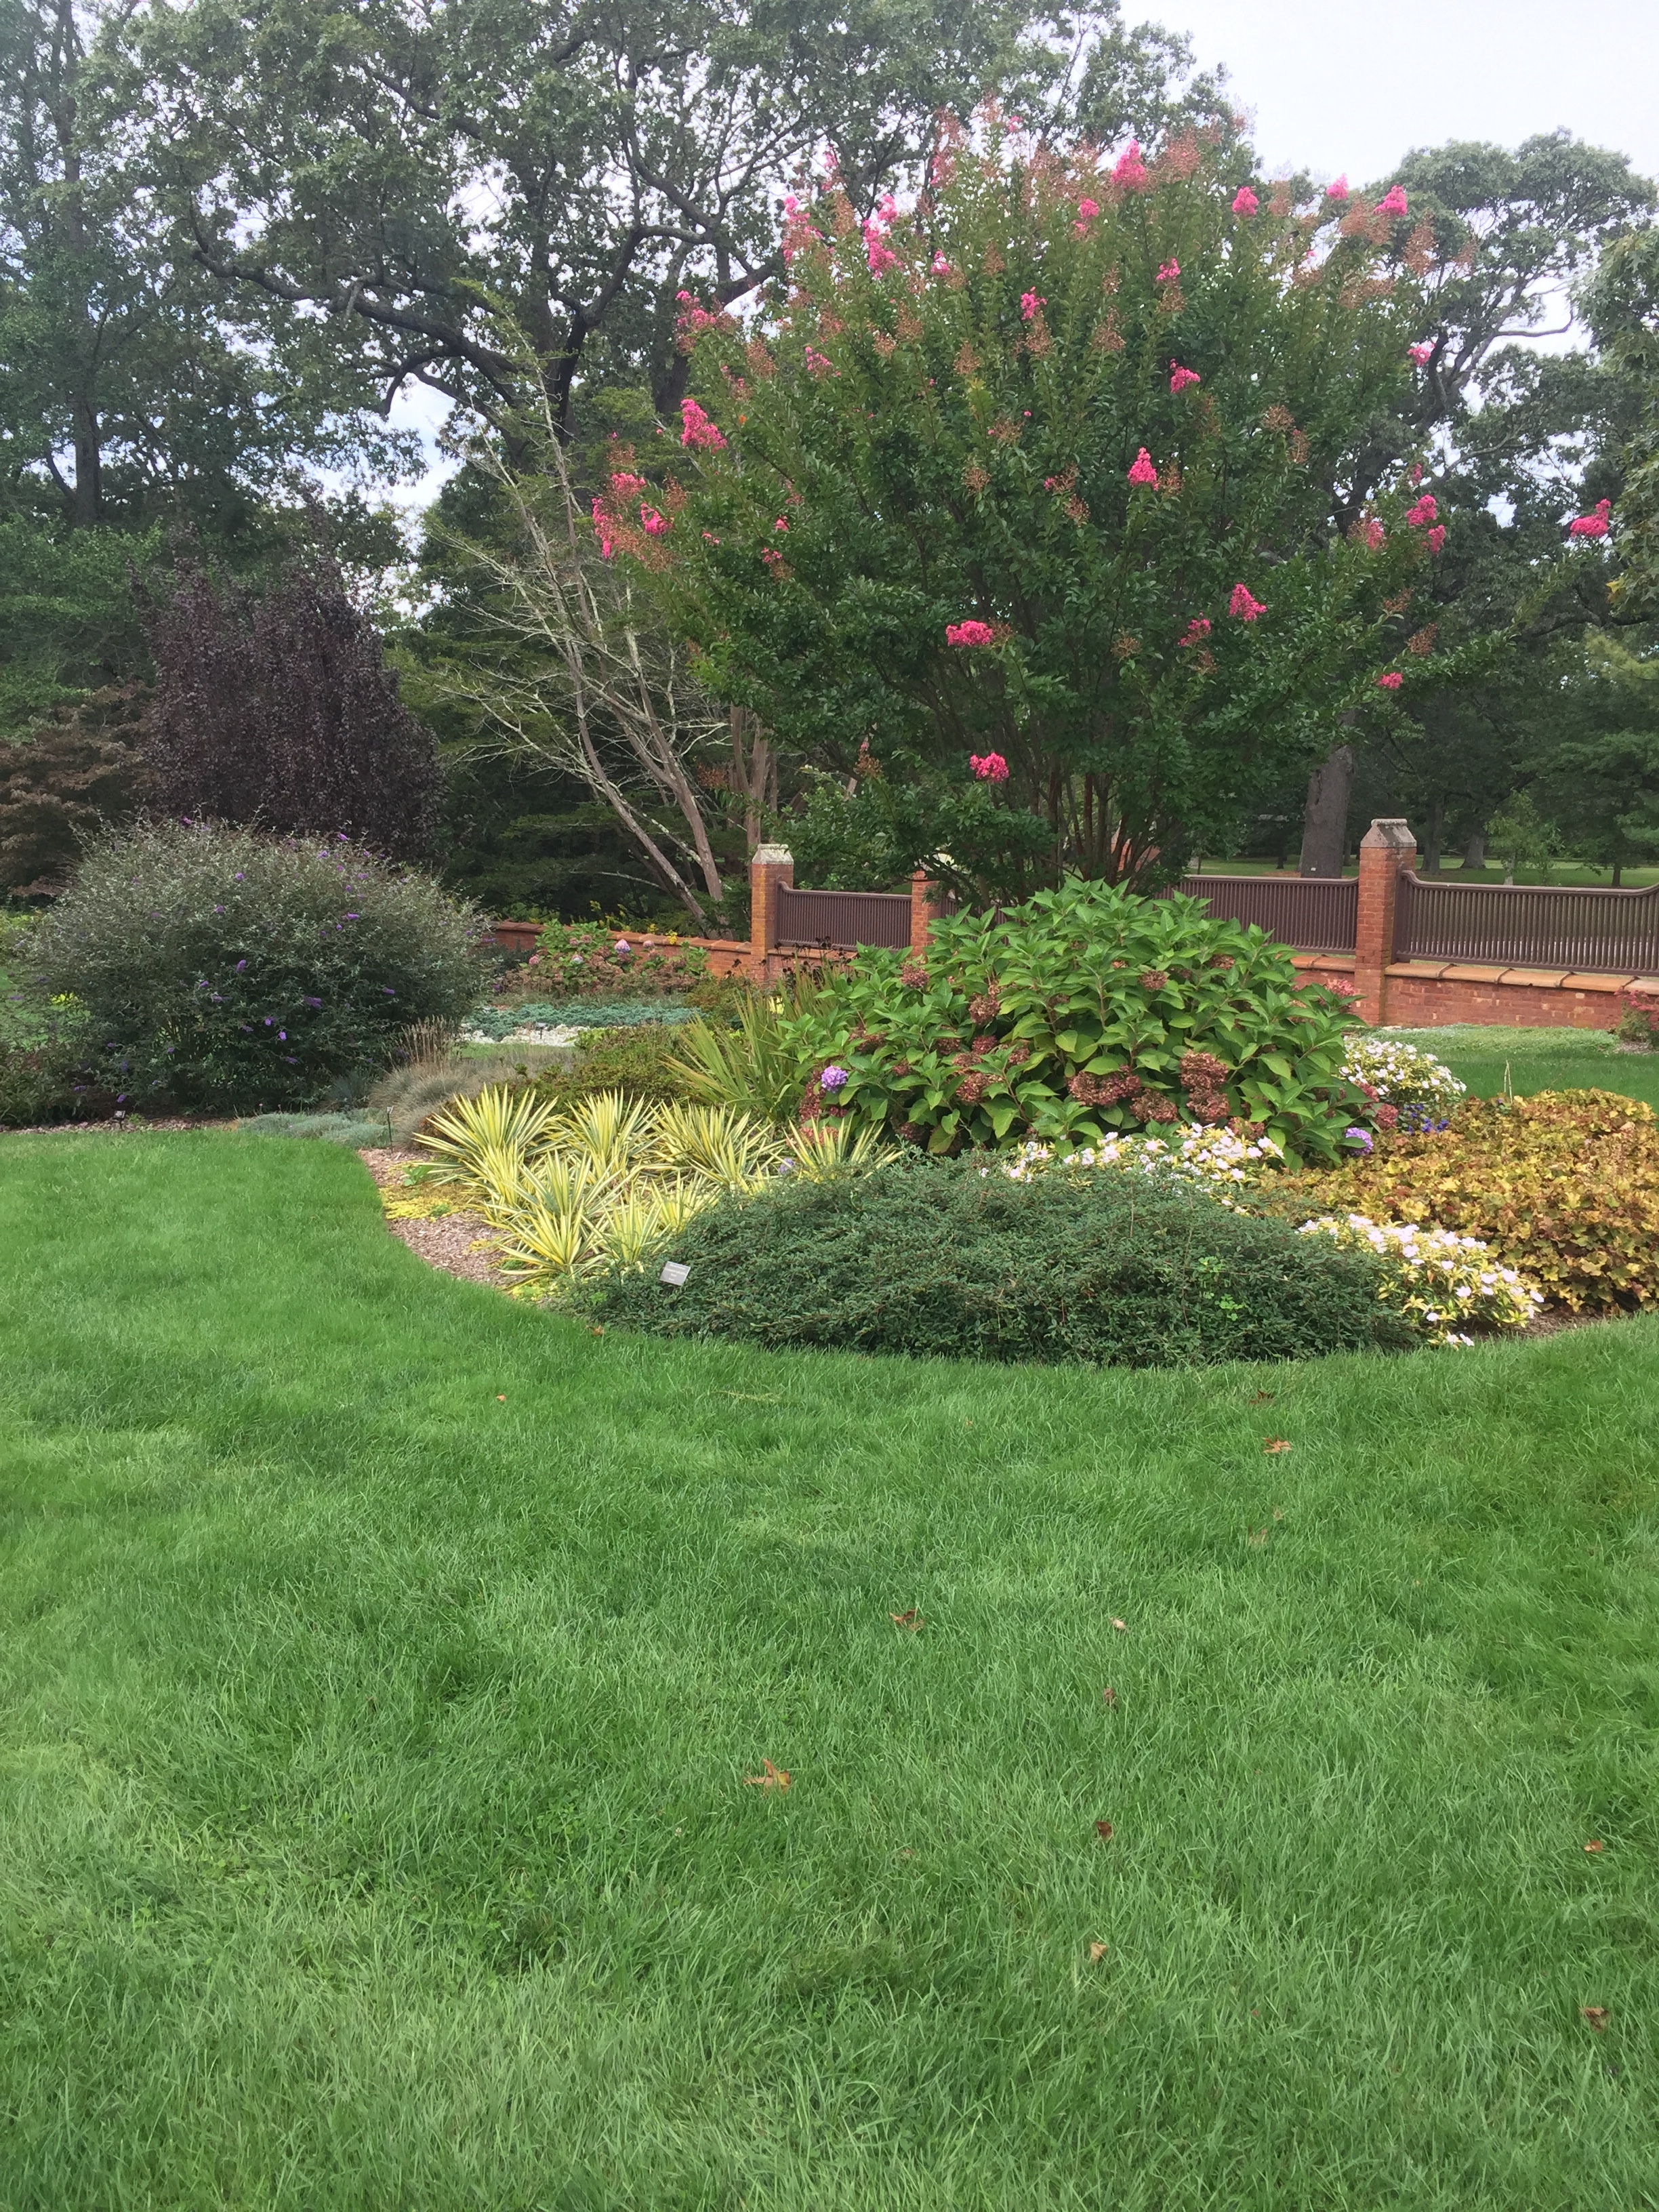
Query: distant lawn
[[1453, 871], [383, 1662], [1539, 1059]]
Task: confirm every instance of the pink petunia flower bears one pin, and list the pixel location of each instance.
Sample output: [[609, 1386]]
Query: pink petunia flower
[[1390, 680], [989, 768], [970, 633], [696, 429], [1393, 202], [1197, 630], [1242, 604], [1245, 203], [1592, 525], [1425, 511], [1435, 539], [1181, 377], [1130, 171], [1420, 354], [1141, 471], [1029, 304], [1169, 271]]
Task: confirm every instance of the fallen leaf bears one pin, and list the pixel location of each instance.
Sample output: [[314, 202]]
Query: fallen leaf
[[1109, 1696], [1597, 2017], [1121, 1627], [1097, 1953], [500, 1397], [1261, 1398], [1593, 1846], [1279, 1513], [597, 1329], [1258, 1535], [912, 1620], [1103, 1830], [1274, 1444], [773, 1778]]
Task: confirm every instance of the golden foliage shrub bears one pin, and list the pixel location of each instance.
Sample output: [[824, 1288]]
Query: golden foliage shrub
[[1564, 1185]]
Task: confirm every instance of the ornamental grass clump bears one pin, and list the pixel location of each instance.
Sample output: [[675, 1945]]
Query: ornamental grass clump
[[218, 967], [935, 1257], [1563, 1186], [1082, 1015], [1408, 1089]]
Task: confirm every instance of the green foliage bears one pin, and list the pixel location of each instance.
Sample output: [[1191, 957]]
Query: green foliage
[[218, 965], [757, 1064], [949, 1260], [941, 426], [589, 959], [1563, 1186], [643, 1062], [1086, 1011]]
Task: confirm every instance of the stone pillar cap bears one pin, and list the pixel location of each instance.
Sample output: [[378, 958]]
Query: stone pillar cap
[[772, 856], [1389, 830]]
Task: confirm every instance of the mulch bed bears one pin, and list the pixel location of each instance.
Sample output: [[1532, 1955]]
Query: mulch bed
[[449, 1243]]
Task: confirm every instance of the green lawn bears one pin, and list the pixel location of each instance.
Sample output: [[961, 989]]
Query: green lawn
[[384, 1661], [1485, 1057]]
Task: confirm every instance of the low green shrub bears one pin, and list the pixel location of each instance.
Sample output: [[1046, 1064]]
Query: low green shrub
[[218, 965], [498, 1023], [1086, 1012], [357, 1129], [46, 1051], [639, 1062], [953, 1259], [588, 959], [1563, 1186]]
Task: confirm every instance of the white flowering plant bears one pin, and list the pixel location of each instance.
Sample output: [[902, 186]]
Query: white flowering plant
[[1215, 1158], [1440, 1281], [1409, 1090]]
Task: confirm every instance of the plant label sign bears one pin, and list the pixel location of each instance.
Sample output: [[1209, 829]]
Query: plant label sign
[[674, 1272]]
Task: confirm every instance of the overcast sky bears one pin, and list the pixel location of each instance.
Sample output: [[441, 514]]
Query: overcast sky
[[1350, 89]]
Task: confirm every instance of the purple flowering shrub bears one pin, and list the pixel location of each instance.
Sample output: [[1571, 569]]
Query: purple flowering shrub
[[1089, 1010], [589, 960], [220, 967]]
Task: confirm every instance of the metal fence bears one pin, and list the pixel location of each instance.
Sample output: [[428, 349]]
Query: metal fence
[[842, 918], [1527, 926], [1313, 913]]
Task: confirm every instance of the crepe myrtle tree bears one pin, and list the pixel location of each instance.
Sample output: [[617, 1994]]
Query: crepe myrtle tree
[[1035, 495]]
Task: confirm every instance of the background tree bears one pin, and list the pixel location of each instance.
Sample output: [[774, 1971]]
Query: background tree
[[277, 709], [1032, 493]]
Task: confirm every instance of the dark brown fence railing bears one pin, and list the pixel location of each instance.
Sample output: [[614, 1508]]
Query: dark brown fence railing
[[1313, 913], [1528, 926], [843, 919]]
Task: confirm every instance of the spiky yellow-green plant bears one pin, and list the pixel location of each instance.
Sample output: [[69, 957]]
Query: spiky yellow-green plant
[[730, 1147], [486, 1143], [822, 1150]]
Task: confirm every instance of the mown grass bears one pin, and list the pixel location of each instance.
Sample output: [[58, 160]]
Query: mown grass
[[1486, 1057], [385, 1663]]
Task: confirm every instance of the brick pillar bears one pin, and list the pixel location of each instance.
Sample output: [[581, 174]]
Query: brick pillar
[[1386, 847], [924, 910], [768, 866]]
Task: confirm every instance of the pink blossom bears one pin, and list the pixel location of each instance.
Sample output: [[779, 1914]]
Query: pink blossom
[[1592, 525], [1088, 209], [1029, 304], [1181, 377], [1420, 354], [876, 251], [1242, 604], [970, 633], [1197, 630], [1168, 272], [989, 768], [1245, 203], [1337, 191], [782, 523], [696, 429], [886, 210], [1130, 171], [1425, 511], [791, 205], [820, 364], [1373, 533], [1435, 539], [939, 265], [1142, 472], [709, 538], [1393, 202], [602, 525], [624, 483], [1390, 680], [771, 555], [656, 526], [1414, 474]]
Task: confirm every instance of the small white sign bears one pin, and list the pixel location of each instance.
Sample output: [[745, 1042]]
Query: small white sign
[[674, 1272]]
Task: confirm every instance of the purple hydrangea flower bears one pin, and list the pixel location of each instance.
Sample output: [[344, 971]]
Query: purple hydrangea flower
[[1359, 1138], [832, 1078]]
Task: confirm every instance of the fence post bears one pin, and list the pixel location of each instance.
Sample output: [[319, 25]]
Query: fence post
[[924, 910], [1387, 848], [768, 866]]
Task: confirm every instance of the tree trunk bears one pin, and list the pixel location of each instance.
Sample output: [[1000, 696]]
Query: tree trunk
[[1325, 816], [1433, 833], [1474, 851]]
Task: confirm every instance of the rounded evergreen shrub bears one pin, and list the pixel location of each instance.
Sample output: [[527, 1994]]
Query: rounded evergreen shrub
[[218, 966], [950, 1258]]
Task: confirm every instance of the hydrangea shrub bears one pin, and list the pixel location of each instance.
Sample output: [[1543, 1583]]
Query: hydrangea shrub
[[589, 960], [217, 966], [1085, 1015]]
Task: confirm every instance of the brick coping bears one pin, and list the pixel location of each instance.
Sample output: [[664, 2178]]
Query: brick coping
[[1533, 978]]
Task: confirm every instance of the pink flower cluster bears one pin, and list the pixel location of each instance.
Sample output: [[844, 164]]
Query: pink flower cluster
[[1390, 680], [1393, 202], [1242, 604], [693, 315], [696, 429], [1245, 203], [1141, 471], [1372, 534], [1420, 354], [989, 768], [1029, 304], [1169, 271], [655, 525], [1337, 191], [938, 265], [1087, 209], [1592, 525], [1130, 171], [970, 633], [602, 527], [1181, 377], [1197, 630], [820, 364], [1425, 511]]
